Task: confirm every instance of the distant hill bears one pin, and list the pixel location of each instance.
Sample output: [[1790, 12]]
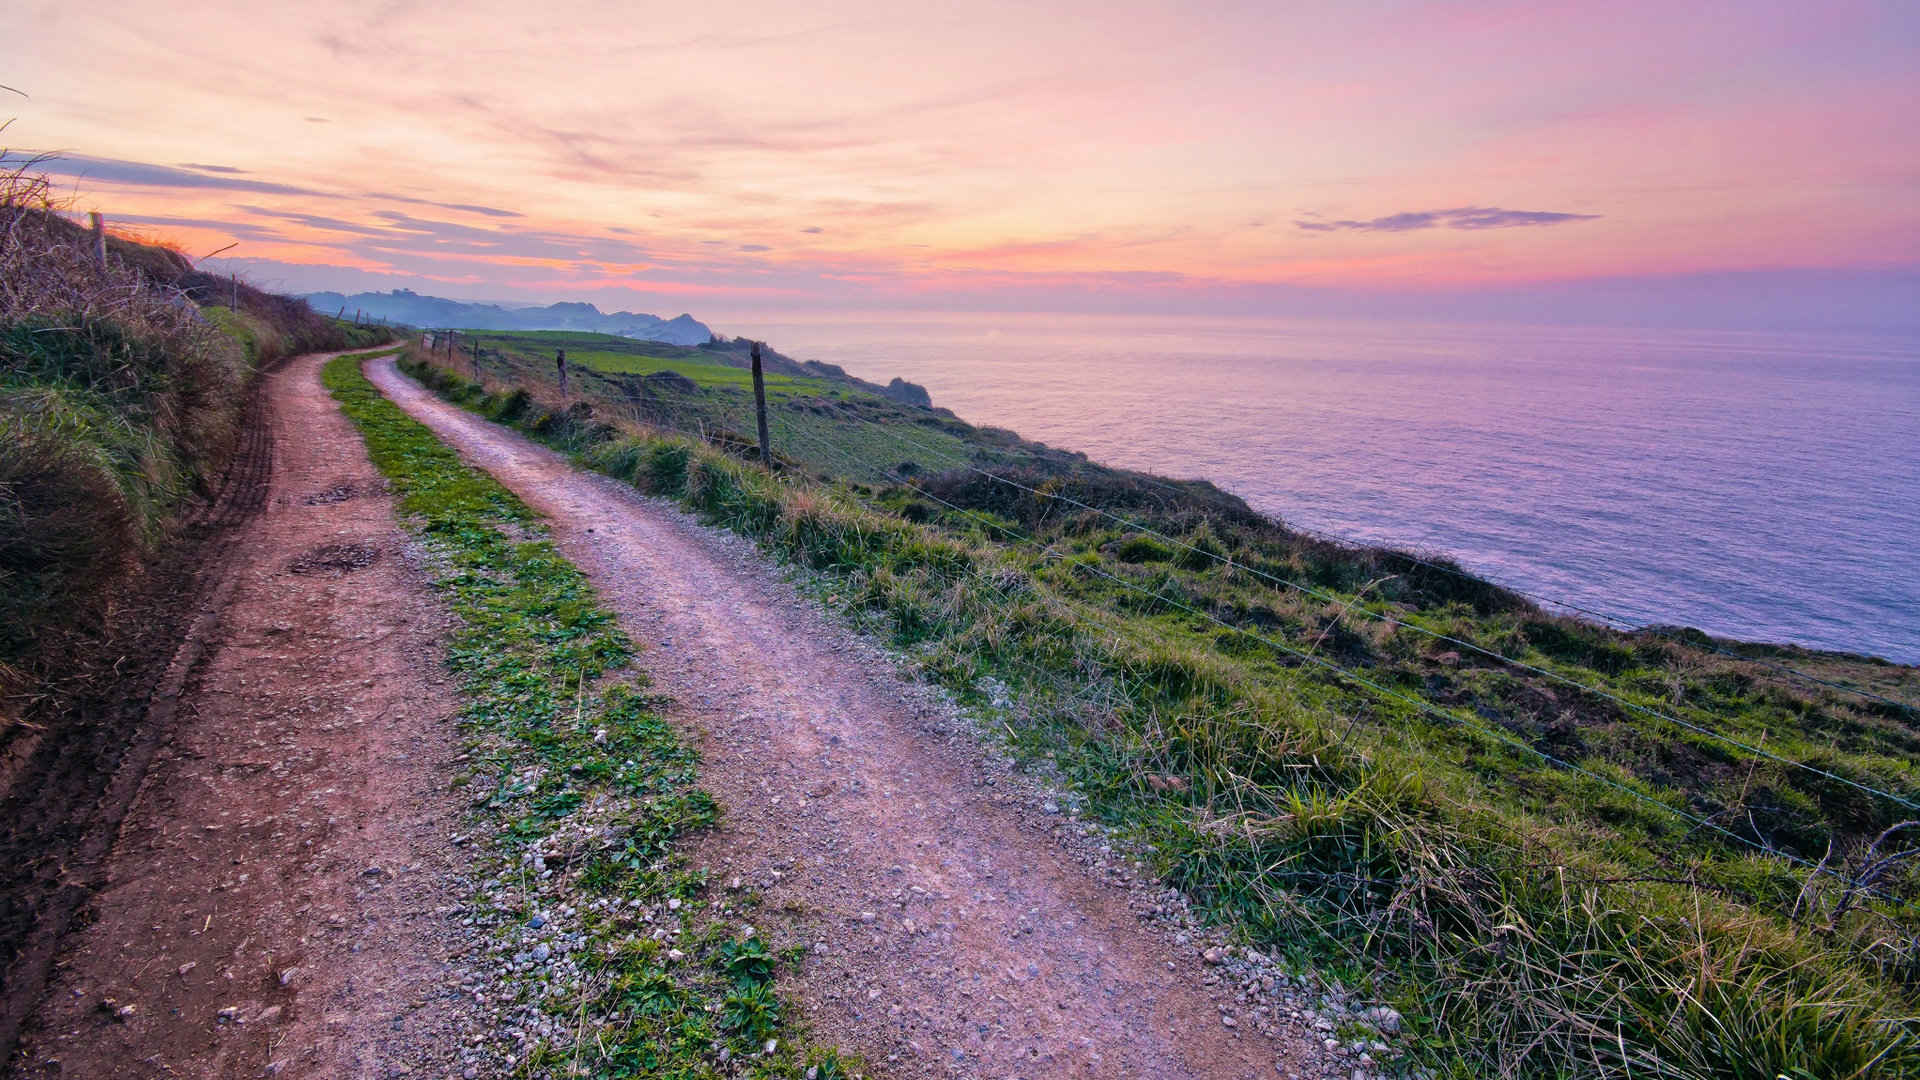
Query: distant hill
[[413, 309]]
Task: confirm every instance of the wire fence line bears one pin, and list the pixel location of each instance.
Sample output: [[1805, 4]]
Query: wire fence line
[[1355, 678], [1640, 624], [1125, 630], [1643, 624], [1061, 688], [951, 457], [892, 434], [1402, 623], [1655, 714]]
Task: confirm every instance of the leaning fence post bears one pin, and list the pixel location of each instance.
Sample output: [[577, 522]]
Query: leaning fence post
[[560, 362], [760, 408], [99, 239]]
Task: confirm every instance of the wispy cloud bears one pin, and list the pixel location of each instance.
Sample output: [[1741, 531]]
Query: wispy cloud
[[141, 174], [1463, 217], [471, 208], [196, 175], [243, 230], [316, 221]]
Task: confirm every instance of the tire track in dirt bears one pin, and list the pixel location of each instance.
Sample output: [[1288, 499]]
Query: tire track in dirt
[[276, 900], [947, 932], [69, 786]]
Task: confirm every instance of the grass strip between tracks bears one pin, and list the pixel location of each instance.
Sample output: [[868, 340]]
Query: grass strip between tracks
[[615, 957]]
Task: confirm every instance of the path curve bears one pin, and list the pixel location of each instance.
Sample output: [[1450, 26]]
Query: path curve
[[948, 933]]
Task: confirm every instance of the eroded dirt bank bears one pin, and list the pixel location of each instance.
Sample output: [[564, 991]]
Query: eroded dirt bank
[[277, 900], [947, 932]]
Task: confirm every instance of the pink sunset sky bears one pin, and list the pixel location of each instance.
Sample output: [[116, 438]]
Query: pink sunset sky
[[1115, 155]]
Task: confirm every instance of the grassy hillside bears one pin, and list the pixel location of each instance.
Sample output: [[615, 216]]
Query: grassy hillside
[[121, 399], [1563, 850]]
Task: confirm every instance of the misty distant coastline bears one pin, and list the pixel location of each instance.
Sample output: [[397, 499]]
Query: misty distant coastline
[[413, 309]]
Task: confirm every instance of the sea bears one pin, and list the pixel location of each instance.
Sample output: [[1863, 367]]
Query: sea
[[1760, 486]]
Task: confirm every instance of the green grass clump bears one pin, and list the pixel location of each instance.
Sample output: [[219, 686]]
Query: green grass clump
[[1550, 881], [115, 406], [579, 765]]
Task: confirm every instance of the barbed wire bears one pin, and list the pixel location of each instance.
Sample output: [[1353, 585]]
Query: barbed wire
[[1346, 606], [1369, 684], [1335, 668]]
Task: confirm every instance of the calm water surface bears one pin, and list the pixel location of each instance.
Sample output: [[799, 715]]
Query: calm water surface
[[1762, 486]]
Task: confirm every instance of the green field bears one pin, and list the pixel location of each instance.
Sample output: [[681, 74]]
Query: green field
[[828, 426]]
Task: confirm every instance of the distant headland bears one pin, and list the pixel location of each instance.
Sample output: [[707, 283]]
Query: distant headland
[[413, 309]]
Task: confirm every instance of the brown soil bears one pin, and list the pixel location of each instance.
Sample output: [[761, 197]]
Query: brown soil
[[69, 774], [948, 932], [275, 901]]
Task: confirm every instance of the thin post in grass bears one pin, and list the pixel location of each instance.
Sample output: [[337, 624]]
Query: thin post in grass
[[560, 362], [760, 408], [99, 238], [475, 346]]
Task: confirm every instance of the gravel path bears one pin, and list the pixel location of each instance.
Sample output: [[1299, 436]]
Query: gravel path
[[952, 926]]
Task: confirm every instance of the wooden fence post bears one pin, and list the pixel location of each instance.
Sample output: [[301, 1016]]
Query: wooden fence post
[[99, 239], [760, 408], [560, 362]]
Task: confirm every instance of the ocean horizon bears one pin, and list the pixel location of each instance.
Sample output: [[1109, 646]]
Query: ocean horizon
[[1763, 486]]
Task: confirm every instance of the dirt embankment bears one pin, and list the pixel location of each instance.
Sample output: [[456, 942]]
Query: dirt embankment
[[277, 900], [68, 776]]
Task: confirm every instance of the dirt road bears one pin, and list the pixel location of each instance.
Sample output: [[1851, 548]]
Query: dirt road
[[275, 903], [948, 931], [284, 898]]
